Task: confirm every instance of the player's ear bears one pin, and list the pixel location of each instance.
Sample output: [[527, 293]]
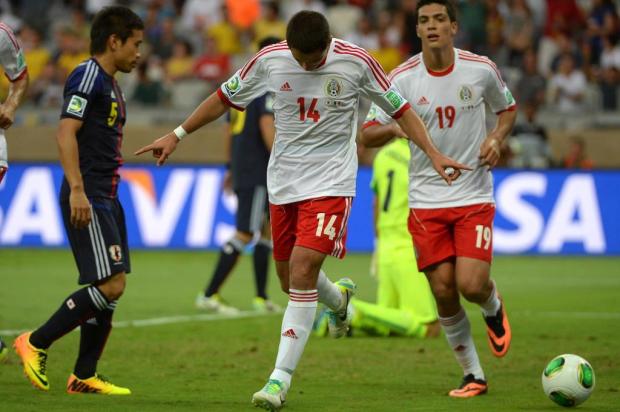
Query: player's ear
[[114, 42], [417, 31], [454, 28]]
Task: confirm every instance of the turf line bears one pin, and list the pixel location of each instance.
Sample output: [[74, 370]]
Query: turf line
[[167, 320]]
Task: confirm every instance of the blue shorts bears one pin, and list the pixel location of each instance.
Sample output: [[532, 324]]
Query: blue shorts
[[100, 249]]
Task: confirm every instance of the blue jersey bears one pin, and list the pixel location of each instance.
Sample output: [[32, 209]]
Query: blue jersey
[[93, 96], [249, 155]]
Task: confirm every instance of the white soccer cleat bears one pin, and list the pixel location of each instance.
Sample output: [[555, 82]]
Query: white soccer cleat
[[215, 304], [265, 306], [272, 396], [338, 322]]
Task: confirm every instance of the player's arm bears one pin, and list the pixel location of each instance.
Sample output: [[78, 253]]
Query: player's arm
[[490, 150], [267, 127], [209, 110], [66, 139], [17, 91], [410, 125]]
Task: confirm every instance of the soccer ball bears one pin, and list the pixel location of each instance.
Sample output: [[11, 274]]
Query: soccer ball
[[568, 380]]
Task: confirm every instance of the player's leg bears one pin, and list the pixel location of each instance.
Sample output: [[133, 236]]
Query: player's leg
[[434, 245], [228, 257], [261, 257], [91, 251], [95, 331], [474, 243]]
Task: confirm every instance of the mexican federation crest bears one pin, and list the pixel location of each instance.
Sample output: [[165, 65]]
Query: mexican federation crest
[[333, 87], [466, 94]]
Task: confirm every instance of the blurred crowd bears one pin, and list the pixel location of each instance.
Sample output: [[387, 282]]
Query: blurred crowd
[[563, 55]]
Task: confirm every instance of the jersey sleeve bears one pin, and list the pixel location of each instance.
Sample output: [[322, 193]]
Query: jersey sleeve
[[496, 93], [245, 85], [378, 88], [11, 55], [80, 91], [376, 116]]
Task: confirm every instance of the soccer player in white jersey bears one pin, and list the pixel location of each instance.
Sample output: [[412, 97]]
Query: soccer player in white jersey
[[317, 82], [452, 226], [14, 65]]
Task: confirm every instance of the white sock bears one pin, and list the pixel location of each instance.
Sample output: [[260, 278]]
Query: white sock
[[491, 306], [296, 327], [329, 294], [458, 333]]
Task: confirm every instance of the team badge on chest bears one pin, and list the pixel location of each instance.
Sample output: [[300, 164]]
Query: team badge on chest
[[333, 87], [466, 94]]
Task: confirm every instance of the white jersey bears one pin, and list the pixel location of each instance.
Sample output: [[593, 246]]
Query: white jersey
[[452, 105], [314, 152], [14, 65]]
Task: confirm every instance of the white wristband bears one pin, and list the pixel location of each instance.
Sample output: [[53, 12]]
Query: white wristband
[[180, 132]]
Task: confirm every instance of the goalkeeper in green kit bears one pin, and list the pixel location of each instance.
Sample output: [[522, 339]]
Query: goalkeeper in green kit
[[405, 305]]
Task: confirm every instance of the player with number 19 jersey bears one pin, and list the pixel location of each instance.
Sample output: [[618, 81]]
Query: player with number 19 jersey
[[452, 105], [314, 153]]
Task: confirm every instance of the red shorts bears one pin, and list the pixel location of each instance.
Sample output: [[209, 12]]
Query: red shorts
[[440, 234], [319, 224]]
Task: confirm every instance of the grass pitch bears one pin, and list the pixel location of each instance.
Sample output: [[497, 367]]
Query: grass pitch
[[556, 305]]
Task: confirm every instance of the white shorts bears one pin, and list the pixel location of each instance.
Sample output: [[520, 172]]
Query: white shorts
[[4, 159]]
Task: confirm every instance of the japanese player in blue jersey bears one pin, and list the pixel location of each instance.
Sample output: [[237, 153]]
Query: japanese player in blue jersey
[[89, 138]]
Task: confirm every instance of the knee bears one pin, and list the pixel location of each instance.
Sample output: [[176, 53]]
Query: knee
[[475, 290], [114, 287], [445, 293]]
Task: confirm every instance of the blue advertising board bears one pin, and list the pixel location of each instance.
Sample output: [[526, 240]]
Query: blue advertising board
[[538, 212]]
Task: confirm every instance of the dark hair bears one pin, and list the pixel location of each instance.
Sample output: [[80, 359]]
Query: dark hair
[[448, 4], [308, 32], [117, 20], [268, 41]]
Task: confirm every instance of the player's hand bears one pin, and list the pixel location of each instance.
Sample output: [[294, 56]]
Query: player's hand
[[7, 116], [490, 152], [227, 183], [80, 209], [161, 148], [448, 169]]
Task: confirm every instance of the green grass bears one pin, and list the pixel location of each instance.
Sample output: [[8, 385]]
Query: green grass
[[556, 305]]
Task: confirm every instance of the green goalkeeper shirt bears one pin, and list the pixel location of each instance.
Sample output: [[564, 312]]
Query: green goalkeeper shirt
[[390, 182]]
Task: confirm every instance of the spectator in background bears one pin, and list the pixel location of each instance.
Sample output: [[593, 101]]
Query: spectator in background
[[518, 31], [568, 86], [197, 15], [406, 20], [342, 18], [529, 143], [364, 35], [212, 67], [71, 50], [270, 24], [472, 25], [609, 74], [563, 16], [148, 91], [35, 54], [291, 7], [577, 158], [46, 91], [162, 38], [531, 85], [226, 35], [602, 22], [386, 54], [180, 65]]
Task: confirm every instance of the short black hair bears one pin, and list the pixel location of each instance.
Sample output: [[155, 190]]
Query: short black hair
[[308, 32], [268, 41], [449, 5], [117, 20]]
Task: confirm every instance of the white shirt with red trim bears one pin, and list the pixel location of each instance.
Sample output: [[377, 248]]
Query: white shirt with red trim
[[452, 105], [314, 153], [14, 65]]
